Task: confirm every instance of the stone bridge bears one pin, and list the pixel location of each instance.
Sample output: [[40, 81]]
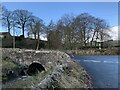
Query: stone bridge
[[47, 59], [63, 71]]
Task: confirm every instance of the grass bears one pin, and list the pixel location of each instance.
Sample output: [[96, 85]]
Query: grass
[[7, 64], [105, 51]]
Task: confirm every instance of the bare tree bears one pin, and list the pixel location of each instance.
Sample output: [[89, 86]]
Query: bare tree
[[21, 18], [84, 25], [100, 31], [39, 27], [50, 31], [7, 18], [31, 26], [68, 30]]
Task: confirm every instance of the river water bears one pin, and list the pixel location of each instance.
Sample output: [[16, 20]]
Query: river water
[[102, 69]]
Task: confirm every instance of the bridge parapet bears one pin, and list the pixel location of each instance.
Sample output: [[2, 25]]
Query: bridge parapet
[[27, 57]]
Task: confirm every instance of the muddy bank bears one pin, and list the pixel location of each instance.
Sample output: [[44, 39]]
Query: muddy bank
[[60, 70]]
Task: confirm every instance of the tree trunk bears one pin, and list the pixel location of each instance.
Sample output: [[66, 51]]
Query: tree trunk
[[101, 41], [35, 36], [84, 41], [9, 28], [8, 25], [38, 42], [96, 39], [13, 37], [23, 30], [92, 39]]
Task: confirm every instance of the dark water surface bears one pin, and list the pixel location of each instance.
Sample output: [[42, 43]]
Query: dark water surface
[[102, 69]]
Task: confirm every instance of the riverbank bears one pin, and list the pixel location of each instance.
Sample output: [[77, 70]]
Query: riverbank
[[105, 51], [60, 70]]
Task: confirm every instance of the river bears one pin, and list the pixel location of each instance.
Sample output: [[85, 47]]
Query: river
[[102, 69]]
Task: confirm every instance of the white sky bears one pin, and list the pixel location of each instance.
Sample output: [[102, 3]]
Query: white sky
[[114, 31]]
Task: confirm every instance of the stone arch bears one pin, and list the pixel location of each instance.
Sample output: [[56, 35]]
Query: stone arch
[[34, 68]]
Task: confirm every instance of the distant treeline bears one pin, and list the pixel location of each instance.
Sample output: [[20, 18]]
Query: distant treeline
[[29, 43], [70, 32]]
